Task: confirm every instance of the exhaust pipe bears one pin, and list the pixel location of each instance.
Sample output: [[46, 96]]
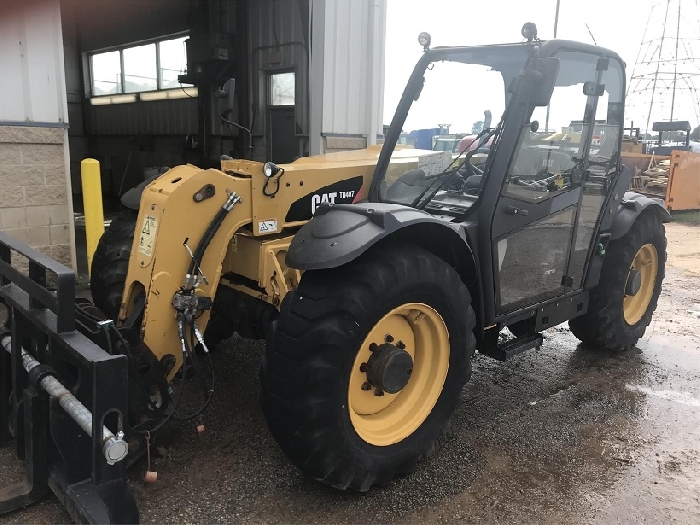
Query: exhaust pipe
[[114, 447]]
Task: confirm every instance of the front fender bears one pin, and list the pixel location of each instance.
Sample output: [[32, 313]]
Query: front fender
[[632, 205], [339, 233]]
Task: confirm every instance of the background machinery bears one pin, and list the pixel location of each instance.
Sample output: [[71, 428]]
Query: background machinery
[[374, 275]]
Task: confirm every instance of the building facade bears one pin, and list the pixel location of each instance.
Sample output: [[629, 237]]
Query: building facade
[[137, 85], [35, 194]]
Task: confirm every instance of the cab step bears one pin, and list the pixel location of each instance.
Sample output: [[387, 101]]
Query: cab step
[[504, 351]]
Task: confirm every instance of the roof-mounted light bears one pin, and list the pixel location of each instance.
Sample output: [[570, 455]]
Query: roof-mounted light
[[424, 40], [529, 31]]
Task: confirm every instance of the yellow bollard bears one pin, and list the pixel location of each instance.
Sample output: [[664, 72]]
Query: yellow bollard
[[92, 204]]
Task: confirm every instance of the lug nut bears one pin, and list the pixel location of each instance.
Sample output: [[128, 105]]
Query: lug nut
[[363, 367], [373, 347], [379, 392], [400, 345], [366, 386], [388, 338]]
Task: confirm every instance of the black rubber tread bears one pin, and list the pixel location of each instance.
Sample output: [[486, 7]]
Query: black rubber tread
[[110, 263], [312, 346], [604, 326]]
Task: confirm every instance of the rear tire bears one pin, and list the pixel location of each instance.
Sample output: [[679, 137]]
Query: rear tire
[[309, 373], [110, 266], [616, 321], [110, 263]]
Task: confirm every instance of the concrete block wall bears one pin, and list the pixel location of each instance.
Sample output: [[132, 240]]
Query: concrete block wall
[[34, 189], [343, 143]]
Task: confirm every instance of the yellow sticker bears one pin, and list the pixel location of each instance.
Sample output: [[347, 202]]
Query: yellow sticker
[[148, 235]]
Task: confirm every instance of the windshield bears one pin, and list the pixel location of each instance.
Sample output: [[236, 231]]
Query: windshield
[[451, 129]]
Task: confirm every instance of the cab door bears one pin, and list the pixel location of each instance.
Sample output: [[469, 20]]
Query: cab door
[[535, 219]]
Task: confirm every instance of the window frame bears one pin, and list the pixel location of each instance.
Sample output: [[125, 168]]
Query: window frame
[[89, 89], [573, 184], [271, 73]]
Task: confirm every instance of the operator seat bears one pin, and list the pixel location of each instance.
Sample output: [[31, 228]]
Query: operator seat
[[406, 188]]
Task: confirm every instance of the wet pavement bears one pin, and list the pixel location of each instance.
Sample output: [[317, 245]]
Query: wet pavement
[[561, 434]]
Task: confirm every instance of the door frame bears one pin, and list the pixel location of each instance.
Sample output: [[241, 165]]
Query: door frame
[[522, 213], [269, 107]]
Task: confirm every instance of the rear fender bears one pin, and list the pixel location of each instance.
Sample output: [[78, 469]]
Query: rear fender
[[631, 206], [132, 198]]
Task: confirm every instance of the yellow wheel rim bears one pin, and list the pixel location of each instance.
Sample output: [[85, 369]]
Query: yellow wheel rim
[[646, 262], [390, 418]]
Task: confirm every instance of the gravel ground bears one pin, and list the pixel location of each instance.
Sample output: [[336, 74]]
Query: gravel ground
[[554, 435]]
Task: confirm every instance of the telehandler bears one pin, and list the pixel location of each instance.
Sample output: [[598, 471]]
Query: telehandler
[[374, 275]]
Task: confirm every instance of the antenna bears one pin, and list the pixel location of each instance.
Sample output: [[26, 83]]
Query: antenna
[[589, 32]]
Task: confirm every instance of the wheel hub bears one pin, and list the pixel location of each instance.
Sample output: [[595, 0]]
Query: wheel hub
[[380, 417], [634, 283], [641, 280], [389, 368]]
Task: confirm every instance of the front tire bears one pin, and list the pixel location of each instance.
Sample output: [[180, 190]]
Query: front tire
[[616, 320], [316, 395]]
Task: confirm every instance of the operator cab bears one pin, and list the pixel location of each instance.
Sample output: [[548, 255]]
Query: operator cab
[[569, 131]]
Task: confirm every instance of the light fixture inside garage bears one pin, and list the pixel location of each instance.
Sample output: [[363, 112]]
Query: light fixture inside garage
[[184, 92], [113, 99]]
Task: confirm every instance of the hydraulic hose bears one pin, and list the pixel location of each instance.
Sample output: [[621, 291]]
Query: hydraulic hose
[[209, 233]]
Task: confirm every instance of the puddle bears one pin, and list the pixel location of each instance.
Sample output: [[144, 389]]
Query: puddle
[[684, 398]]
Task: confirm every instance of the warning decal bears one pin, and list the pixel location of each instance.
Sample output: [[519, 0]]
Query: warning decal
[[148, 235], [267, 226]]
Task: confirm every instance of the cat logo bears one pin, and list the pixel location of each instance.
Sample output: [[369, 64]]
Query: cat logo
[[317, 199], [340, 192]]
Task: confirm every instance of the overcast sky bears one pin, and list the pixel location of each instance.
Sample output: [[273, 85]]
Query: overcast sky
[[615, 24]]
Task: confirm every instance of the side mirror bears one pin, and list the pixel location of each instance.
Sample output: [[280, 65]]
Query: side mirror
[[228, 93], [487, 119], [543, 80], [593, 89]]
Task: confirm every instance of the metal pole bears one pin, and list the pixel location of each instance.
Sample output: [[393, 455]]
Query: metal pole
[[656, 75], [92, 205], [114, 447], [675, 66]]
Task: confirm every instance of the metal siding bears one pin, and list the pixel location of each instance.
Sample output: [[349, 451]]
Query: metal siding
[[158, 117], [353, 72], [11, 83], [317, 73], [342, 73], [32, 86], [107, 23], [357, 43], [375, 83], [328, 43]]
